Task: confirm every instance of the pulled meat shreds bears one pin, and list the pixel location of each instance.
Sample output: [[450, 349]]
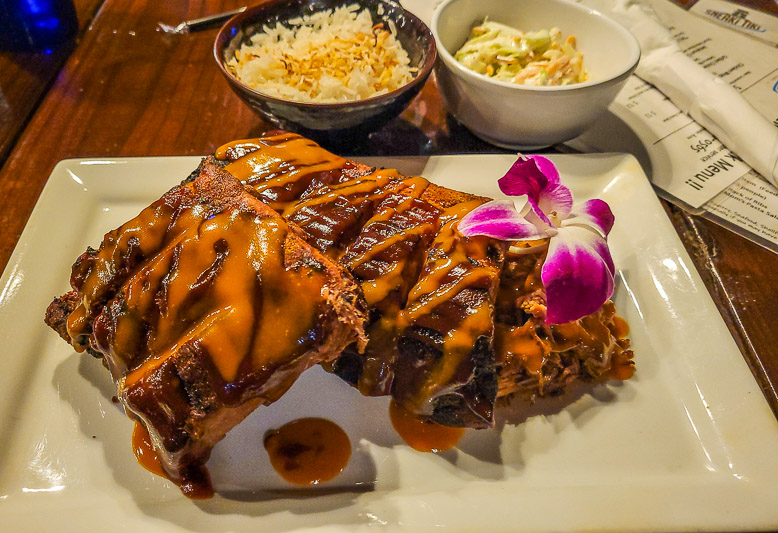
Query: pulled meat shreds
[[540, 359]]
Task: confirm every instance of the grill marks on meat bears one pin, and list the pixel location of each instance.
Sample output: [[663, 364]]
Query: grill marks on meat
[[454, 322], [397, 237], [450, 374], [205, 306], [386, 257]]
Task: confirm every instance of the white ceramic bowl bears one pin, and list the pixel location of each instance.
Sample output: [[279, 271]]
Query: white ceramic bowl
[[523, 117]]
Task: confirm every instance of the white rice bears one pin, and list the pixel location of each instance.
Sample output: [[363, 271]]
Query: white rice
[[329, 56]]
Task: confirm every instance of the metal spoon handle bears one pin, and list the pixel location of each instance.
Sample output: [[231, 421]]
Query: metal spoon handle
[[210, 21]]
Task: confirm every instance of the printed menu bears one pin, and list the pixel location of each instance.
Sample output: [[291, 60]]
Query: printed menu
[[687, 164]]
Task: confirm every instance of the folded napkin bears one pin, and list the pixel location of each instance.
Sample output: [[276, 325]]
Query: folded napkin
[[711, 102]]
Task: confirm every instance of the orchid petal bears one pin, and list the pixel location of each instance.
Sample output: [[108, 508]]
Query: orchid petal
[[595, 214], [500, 220], [538, 178], [524, 177], [577, 274], [548, 168], [539, 219], [556, 199]]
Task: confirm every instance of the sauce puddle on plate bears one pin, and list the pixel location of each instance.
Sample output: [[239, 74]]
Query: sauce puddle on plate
[[421, 435], [308, 451], [311, 451]]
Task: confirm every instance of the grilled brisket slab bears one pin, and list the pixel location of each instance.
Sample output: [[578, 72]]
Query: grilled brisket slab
[[203, 307]]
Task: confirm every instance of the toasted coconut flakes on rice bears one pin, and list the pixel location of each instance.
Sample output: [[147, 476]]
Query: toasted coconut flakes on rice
[[330, 56]]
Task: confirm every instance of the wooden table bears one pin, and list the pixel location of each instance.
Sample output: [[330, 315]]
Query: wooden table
[[127, 89]]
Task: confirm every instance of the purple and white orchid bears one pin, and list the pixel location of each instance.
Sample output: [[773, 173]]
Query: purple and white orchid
[[578, 271]]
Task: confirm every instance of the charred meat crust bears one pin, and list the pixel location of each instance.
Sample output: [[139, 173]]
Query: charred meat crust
[[205, 160], [183, 349], [472, 404], [57, 313], [469, 405]]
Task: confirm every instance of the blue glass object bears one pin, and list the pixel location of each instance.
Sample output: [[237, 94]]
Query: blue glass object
[[36, 24]]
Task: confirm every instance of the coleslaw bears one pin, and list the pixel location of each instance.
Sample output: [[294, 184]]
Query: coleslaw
[[538, 58]]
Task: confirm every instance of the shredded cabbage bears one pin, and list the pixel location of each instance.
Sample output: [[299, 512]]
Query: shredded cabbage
[[529, 58]]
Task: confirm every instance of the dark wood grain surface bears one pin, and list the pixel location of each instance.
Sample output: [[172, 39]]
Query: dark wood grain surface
[[128, 89], [26, 75]]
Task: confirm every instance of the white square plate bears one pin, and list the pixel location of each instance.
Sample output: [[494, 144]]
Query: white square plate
[[688, 443]]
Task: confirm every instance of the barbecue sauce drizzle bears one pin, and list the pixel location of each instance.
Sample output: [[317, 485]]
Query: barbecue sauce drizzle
[[183, 290], [180, 268], [396, 223], [327, 196]]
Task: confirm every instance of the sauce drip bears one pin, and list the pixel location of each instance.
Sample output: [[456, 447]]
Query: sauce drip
[[308, 451], [619, 328], [144, 450], [147, 457], [423, 435], [622, 368]]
